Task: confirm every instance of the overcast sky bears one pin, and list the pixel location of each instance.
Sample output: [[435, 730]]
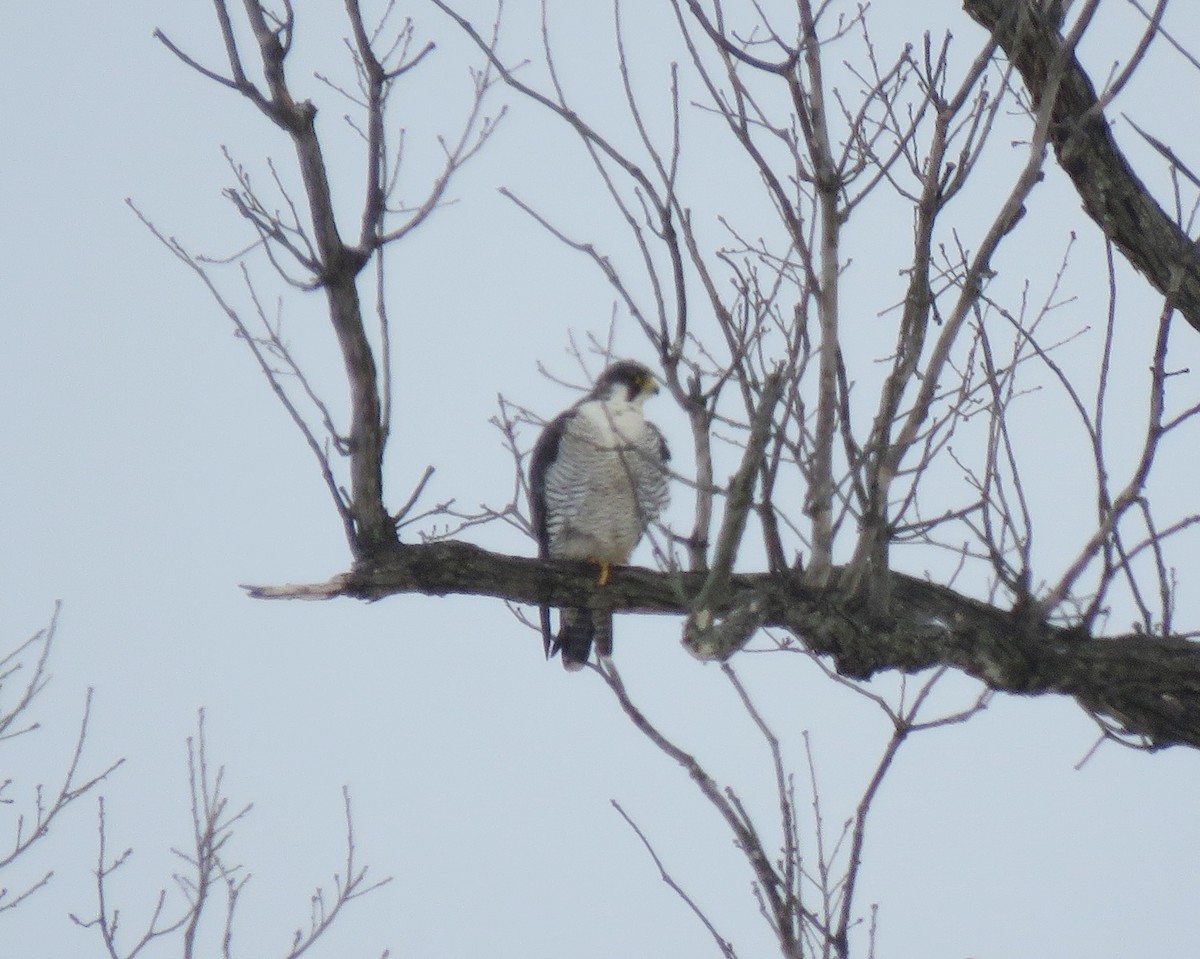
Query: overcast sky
[[147, 472]]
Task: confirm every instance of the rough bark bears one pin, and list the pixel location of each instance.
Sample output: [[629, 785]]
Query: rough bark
[[1149, 685], [1111, 192]]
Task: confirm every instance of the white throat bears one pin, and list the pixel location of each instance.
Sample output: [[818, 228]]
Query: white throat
[[617, 421]]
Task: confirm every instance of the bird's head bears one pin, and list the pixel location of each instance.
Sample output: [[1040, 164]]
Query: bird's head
[[626, 380]]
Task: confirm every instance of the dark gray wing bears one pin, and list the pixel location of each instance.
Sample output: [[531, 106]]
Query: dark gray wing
[[651, 475], [664, 451], [545, 452]]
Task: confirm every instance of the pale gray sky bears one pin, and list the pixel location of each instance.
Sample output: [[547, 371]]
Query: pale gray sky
[[147, 471]]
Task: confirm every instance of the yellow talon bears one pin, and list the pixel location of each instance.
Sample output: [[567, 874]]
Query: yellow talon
[[604, 569]]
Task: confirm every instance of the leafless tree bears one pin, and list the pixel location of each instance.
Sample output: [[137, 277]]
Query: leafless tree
[[302, 240], [852, 426], [30, 811], [209, 881], [198, 918]]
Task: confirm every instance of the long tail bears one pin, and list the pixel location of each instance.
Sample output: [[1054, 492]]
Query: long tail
[[547, 634], [577, 631]]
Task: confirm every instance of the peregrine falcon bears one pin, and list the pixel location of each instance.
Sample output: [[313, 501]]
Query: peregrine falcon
[[597, 479]]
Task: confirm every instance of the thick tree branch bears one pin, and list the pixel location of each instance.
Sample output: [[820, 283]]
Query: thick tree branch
[[339, 263], [1149, 684], [1112, 194]]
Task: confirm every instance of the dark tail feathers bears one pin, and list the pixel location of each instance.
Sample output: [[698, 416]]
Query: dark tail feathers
[[574, 640]]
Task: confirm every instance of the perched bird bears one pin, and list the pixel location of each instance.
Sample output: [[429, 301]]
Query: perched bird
[[597, 479]]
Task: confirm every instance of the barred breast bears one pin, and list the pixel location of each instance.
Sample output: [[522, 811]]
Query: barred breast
[[606, 484]]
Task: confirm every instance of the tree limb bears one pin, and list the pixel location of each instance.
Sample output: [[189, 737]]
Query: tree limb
[[1149, 684], [1111, 192]]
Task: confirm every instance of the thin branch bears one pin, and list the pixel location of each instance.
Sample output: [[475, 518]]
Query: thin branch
[[722, 943]]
